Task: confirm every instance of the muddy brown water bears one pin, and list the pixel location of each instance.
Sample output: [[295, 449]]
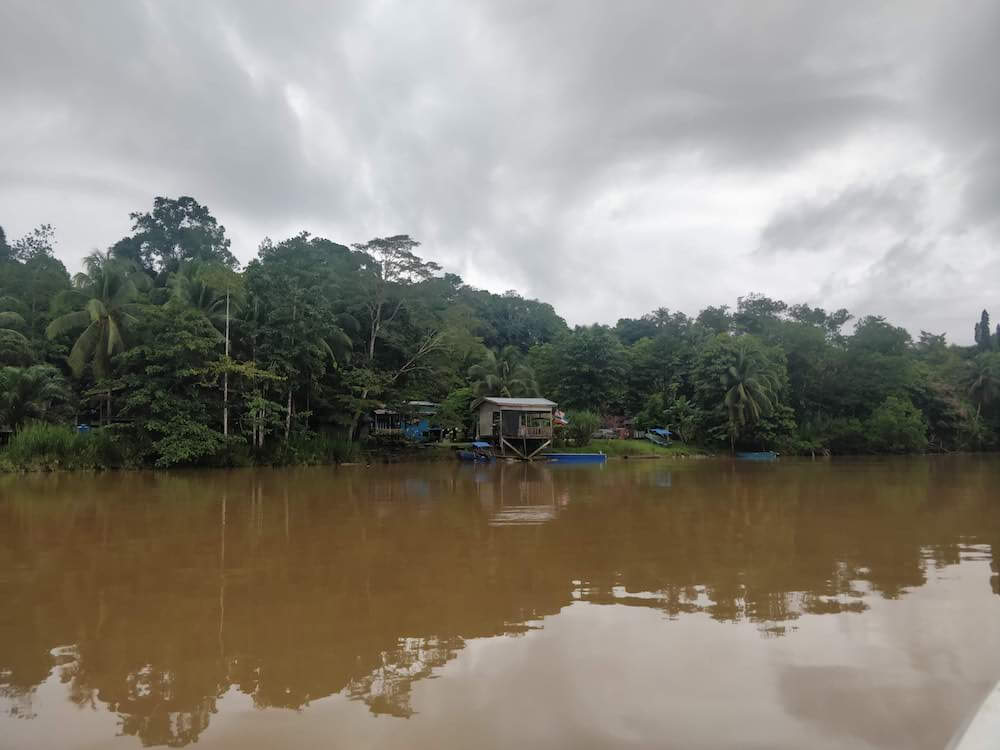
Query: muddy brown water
[[689, 604]]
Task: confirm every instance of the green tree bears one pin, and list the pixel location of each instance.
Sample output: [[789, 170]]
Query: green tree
[[456, 410], [984, 340], [757, 313], [509, 319], [175, 231], [897, 426], [750, 386], [653, 414], [389, 274], [295, 328], [173, 405], [30, 393], [15, 348], [682, 416], [108, 293], [581, 427], [737, 380], [584, 369], [716, 319], [503, 374], [34, 276], [215, 291], [984, 380]]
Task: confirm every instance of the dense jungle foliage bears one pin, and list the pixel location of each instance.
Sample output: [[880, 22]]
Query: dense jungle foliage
[[181, 358]]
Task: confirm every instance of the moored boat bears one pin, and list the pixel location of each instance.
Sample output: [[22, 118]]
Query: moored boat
[[659, 436], [575, 458], [479, 452], [983, 729], [757, 456]]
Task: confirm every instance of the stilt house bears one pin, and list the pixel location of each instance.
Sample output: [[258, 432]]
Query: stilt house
[[516, 427]]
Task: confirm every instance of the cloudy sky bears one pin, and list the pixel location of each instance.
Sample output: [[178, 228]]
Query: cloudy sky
[[608, 157]]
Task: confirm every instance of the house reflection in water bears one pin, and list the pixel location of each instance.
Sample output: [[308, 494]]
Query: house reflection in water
[[522, 494]]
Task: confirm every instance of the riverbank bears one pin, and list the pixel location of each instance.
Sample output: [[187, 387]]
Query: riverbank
[[48, 448], [639, 449]]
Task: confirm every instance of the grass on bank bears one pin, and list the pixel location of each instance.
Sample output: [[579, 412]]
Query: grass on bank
[[634, 448], [48, 447]]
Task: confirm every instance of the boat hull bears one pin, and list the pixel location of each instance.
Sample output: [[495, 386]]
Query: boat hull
[[758, 456], [473, 457], [575, 458]]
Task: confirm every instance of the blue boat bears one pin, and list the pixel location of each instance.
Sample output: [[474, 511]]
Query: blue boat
[[575, 458], [658, 435], [481, 453], [758, 456]]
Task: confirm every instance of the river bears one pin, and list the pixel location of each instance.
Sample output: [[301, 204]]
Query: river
[[686, 604]]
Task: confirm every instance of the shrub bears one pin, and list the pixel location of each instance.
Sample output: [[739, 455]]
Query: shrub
[[323, 449], [846, 435], [41, 445], [897, 426], [581, 426]]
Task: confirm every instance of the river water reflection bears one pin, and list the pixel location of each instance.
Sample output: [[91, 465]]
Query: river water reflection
[[639, 604]]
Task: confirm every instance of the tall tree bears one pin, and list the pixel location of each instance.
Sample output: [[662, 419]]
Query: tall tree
[[297, 330], [215, 291], [15, 349], [583, 369], [390, 271], [750, 388], [107, 293], [29, 393], [175, 231], [503, 374], [984, 380], [983, 333]]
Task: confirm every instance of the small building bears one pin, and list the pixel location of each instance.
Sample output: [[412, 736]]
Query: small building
[[518, 427], [414, 420]]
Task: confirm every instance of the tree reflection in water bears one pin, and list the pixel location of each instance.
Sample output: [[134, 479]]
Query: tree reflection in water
[[153, 595]]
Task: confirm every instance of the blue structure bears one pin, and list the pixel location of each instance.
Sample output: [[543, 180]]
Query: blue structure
[[415, 421], [758, 456], [659, 435], [481, 453], [575, 458]]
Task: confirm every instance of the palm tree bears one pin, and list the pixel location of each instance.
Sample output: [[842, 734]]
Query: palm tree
[[984, 380], [15, 349], [503, 374], [107, 292], [28, 392], [750, 390], [209, 289]]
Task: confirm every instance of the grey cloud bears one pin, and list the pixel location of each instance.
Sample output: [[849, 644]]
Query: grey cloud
[[962, 102], [820, 223], [491, 131]]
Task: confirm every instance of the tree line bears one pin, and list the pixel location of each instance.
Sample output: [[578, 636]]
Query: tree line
[[186, 359]]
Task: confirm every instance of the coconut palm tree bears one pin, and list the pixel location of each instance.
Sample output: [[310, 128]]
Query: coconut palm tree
[[984, 380], [107, 292], [15, 349], [29, 392], [750, 388], [503, 374]]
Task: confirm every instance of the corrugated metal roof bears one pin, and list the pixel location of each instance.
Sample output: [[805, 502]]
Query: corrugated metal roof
[[526, 403]]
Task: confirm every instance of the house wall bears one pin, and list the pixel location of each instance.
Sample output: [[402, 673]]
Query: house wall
[[486, 419]]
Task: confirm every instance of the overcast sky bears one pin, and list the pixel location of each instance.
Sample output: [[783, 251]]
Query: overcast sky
[[607, 157]]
